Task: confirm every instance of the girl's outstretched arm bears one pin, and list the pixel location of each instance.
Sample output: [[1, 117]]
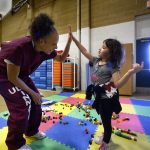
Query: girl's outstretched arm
[[63, 56], [120, 81], [82, 48]]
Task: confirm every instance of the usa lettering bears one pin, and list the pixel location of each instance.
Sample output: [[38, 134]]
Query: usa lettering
[[24, 95]]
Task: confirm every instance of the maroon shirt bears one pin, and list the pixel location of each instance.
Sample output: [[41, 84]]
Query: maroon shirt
[[22, 53]]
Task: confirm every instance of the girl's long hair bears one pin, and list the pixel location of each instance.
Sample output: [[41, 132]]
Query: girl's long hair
[[117, 53]]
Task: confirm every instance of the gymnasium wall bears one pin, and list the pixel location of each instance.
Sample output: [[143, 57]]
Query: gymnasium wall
[[142, 26], [15, 26], [116, 11], [64, 12], [99, 20]]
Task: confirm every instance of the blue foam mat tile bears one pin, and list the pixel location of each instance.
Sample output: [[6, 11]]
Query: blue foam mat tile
[[145, 121], [66, 94], [140, 102], [88, 102], [72, 134], [3, 122]]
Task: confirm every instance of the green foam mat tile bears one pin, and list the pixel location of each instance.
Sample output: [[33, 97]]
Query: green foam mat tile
[[148, 138], [80, 114], [56, 98], [142, 110], [76, 114], [49, 144], [4, 115], [94, 114]]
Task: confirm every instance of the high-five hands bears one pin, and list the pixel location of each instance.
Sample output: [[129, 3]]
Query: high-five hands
[[69, 33]]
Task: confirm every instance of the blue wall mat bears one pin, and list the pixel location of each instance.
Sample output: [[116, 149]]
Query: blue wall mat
[[72, 134], [143, 54], [42, 77]]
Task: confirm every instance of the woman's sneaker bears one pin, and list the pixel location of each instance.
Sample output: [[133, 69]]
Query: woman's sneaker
[[104, 146], [98, 140], [25, 147], [40, 135]]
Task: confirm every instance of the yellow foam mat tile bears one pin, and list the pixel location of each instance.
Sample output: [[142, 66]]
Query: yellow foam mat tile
[[79, 95], [64, 108], [119, 143], [3, 134], [127, 108]]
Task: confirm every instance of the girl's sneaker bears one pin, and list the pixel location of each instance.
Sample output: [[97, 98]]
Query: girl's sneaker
[[104, 146], [115, 116], [98, 140], [25, 147]]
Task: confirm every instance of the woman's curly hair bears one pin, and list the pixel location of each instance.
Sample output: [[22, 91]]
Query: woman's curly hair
[[41, 26]]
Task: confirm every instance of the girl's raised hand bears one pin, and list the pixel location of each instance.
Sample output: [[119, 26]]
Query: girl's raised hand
[[137, 67]]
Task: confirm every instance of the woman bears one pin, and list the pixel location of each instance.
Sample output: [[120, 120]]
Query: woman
[[18, 59]]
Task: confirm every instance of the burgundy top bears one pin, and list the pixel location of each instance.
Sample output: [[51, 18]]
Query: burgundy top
[[22, 53]]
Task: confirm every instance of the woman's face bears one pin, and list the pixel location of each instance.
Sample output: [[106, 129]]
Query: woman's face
[[49, 43], [103, 52]]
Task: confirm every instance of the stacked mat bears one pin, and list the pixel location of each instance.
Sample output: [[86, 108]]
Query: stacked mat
[[49, 74], [69, 75], [57, 73], [42, 77], [39, 77]]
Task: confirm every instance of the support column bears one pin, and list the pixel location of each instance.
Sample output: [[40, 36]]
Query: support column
[[85, 37], [30, 13]]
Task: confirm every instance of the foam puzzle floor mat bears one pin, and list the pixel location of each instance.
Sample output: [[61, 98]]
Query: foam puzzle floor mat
[[72, 124]]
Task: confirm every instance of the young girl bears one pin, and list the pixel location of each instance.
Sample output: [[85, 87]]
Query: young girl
[[18, 59], [106, 81]]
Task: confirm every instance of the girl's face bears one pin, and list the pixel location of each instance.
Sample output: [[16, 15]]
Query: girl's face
[[49, 43], [103, 52]]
